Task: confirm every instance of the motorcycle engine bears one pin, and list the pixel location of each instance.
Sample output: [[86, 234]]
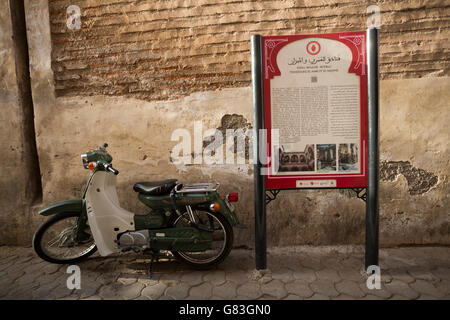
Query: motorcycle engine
[[134, 239]]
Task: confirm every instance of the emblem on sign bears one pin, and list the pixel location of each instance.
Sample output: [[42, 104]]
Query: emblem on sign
[[313, 48]]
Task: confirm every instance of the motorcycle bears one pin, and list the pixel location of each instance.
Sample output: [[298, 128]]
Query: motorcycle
[[191, 221]]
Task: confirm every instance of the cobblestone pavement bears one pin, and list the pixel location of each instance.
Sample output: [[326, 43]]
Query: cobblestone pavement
[[294, 273]]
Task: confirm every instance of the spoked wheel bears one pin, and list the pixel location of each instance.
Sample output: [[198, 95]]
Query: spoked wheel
[[55, 241], [222, 236]]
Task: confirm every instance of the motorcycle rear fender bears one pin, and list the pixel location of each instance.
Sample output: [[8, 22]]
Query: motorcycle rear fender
[[75, 205], [224, 210]]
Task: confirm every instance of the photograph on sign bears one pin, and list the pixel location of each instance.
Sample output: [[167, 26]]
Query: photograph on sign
[[315, 96]]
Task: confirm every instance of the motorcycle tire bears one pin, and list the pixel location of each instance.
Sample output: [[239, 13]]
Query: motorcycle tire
[[37, 240], [228, 229]]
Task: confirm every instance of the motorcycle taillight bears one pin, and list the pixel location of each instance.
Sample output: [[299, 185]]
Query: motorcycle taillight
[[233, 197]]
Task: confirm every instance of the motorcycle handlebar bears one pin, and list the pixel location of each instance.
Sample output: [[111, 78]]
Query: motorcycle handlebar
[[111, 169]]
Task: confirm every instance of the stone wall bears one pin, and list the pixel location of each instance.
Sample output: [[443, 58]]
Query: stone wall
[[138, 70]]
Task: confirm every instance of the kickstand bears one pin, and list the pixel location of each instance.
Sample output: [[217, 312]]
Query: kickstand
[[151, 264]]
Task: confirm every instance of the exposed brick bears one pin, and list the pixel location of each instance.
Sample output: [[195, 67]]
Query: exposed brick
[[138, 48]]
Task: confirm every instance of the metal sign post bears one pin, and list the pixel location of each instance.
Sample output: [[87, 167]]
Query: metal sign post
[[259, 181], [371, 256], [366, 183]]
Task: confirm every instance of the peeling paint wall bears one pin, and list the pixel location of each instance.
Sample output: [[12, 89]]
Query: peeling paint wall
[[419, 181], [19, 171], [414, 117]]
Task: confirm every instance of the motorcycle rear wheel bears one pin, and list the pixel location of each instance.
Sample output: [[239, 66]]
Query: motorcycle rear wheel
[[222, 229], [63, 240]]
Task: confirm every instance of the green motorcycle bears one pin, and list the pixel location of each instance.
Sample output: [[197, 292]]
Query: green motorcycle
[[190, 221]]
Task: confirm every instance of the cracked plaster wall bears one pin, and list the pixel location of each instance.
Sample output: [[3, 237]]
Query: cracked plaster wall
[[414, 190]]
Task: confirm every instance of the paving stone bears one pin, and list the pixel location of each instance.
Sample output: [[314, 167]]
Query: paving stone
[[386, 278], [51, 268], [147, 282], [265, 278], [299, 288], [393, 263], [216, 277], [444, 287], [107, 278], [154, 292], [292, 297], [14, 274], [126, 280], [178, 291], [371, 297], [397, 287], [426, 297], [324, 287], [164, 297], [442, 273], [343, 297], [95, 297], [425, 287], [419, 273], [131, 291], [283, 274], [24, 292], [193, 278], [305, 274], [318, 296], [36, 268], [238, 276], [351, 274], [89, 288], [410, 273], [24, 258], [225, 291], [60, 292], [201, 292], [48, 278], [333, 262], [26, 279], [8, 260], [328, 275], [398, 297], [43, 291], [352, 262], [274, 288], [382, 293], [4, 267], [312, 263], [109, 292], [400, 275], [349, 288], [251, 290]]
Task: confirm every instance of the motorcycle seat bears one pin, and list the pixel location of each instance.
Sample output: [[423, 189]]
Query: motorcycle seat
[[155, 188]]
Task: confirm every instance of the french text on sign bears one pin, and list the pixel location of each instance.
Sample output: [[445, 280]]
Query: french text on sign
[[316, 183]]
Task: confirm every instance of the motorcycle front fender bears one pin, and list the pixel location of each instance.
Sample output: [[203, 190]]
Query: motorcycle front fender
[[75, 205]]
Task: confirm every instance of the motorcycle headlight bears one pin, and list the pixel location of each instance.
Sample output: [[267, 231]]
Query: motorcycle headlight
[[85, 161]]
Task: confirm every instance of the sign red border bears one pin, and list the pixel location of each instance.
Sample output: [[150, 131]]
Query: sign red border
[[356, 41]]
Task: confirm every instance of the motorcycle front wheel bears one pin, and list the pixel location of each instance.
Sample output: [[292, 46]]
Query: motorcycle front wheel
[[54, 241], [222, 233]]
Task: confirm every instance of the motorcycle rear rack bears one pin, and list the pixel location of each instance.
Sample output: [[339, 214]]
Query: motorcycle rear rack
[[197, 187]]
